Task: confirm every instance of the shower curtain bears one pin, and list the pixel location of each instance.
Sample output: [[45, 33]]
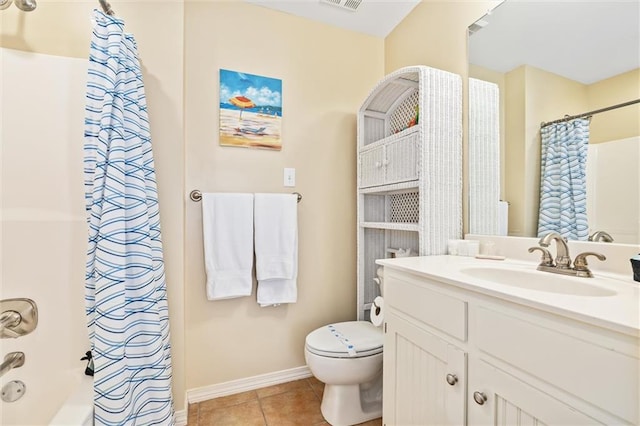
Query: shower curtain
[[125, 290], [563, 181]]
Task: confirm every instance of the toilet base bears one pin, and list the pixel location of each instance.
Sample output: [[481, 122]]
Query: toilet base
[[344, 405]]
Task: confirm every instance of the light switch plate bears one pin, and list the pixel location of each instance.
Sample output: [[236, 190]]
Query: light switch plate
[[289, 177]]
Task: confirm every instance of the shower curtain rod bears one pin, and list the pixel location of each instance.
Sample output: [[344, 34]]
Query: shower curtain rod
[[106, 7], [590, 113]]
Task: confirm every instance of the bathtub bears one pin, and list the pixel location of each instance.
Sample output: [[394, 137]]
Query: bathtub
[[77, 409]]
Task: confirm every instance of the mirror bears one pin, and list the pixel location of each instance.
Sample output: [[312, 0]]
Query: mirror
[[536, 61]]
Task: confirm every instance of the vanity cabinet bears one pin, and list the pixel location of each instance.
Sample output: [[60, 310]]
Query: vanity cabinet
[[409, 171], [514, 364]]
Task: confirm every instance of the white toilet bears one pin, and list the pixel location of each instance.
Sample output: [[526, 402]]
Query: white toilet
[[347, 358]]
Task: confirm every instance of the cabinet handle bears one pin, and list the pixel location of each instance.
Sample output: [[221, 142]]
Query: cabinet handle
[[378, 164], [452, 379], [479, 397]]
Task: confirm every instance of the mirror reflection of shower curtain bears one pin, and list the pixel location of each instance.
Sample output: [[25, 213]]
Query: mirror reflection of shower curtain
[[484, 149], [563, 182]]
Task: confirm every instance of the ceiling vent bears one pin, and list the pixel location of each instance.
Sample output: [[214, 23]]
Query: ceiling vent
[[351, 5]]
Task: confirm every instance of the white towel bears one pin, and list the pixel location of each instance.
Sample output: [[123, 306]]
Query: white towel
[[227, 225], [276, 247]]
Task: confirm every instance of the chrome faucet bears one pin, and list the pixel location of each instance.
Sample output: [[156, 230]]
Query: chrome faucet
[[580, 264], [563, 260], [601, 236], [562, 263]]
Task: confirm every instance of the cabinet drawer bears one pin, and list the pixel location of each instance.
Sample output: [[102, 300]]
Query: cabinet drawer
[[437, 310], [598, 375]]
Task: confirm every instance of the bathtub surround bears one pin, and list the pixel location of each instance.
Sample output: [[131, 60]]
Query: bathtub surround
[[126, 302], [43, 233]]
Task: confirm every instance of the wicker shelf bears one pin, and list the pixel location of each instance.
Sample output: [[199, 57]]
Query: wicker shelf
[[390, 189], [409, 169], [396, 226]]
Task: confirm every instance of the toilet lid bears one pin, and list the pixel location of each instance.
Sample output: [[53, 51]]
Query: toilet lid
[[346, 340]]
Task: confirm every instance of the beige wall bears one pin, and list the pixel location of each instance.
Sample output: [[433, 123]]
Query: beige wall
[[64, 28], [617, 124], [326, 73]]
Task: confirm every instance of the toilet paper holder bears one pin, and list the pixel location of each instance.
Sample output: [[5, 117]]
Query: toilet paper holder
[[378, 308]]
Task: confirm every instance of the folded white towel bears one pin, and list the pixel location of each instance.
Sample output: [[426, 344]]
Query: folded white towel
[[276, 247], [227, 225]]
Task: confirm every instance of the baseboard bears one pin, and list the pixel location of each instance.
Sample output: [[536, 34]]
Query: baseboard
[[250, 383], [181, 418]]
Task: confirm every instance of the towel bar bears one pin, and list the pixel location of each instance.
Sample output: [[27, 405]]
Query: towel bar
[[196, 195]]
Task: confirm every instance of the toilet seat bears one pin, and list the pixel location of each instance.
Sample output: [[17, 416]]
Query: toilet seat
[[352, 339]]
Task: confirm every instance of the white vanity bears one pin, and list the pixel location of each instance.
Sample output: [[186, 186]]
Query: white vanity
[[480, 342]]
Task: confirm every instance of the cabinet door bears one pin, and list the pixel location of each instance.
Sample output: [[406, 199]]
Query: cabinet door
[[498, 398], [401, 159], [372, 167], [416, 382]]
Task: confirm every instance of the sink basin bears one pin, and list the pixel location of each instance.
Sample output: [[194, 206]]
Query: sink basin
[[539, 281]]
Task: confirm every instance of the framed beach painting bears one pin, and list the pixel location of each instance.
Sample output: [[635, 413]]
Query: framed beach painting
[[250, 110]]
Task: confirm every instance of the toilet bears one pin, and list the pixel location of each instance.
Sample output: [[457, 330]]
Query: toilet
[[347, 358]]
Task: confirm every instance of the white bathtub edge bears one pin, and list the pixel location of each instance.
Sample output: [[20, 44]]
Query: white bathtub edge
[[78, 408]]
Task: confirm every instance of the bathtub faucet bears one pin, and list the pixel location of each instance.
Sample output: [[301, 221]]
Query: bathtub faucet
[[11, 360], [18, 317]]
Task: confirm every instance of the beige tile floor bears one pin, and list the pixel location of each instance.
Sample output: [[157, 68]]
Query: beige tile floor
[[292, 403]]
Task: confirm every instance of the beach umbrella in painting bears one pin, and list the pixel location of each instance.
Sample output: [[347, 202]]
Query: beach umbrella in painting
[[242, 103]]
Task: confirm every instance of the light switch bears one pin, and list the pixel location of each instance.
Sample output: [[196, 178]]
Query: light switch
[[289, 176]]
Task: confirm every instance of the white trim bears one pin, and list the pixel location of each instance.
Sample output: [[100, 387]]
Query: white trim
[[181, 418], [250, 383]]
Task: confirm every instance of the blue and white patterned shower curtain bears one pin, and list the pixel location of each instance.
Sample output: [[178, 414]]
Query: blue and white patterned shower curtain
[[125, 290], [563, 182]]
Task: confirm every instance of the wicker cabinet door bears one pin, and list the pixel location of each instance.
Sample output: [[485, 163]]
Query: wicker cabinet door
[[372, 167], [401, 160]]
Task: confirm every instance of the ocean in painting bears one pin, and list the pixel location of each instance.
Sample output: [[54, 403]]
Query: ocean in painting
[[257, 127]]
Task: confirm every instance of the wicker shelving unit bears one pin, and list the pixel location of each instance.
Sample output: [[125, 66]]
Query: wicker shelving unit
[[409, 174]]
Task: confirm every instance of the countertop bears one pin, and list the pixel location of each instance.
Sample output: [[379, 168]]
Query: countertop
[[619, 311]]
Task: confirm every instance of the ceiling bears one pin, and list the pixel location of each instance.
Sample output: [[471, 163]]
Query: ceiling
[[585, 41], [373, 17]]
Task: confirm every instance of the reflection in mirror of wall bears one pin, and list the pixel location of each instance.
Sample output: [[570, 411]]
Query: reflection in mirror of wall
[[549, 60]]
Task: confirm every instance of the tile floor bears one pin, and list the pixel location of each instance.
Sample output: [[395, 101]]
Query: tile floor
[[292, 403]]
